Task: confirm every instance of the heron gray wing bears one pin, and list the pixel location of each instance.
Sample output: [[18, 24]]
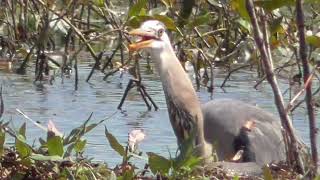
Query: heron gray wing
[[223, 120]]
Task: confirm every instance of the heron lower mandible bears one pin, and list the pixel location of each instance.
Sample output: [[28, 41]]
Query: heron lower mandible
[[230, 126]]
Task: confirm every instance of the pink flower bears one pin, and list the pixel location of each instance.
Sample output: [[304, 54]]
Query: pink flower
[[135, 137], [52, 128]]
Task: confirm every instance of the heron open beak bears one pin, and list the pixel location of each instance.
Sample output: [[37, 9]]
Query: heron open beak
[[146, 41]]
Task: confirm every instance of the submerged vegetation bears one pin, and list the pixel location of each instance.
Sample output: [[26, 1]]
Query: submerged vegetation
[[275, 38]]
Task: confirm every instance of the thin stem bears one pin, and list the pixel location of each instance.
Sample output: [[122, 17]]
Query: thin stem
[[306, 74]]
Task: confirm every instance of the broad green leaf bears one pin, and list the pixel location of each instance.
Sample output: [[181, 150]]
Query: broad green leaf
[[158, 163], [240, 7], [136, 8], [2, 140], [99, 3], [200, 20], [313, 41], [21, 145], [40, 157], [267, 173], [114, 143], [55, 146], [21, 138], [135, 21], [23, 149], [79, 145]]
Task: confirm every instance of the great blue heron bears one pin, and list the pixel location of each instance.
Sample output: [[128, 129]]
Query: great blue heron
[[230, 126]]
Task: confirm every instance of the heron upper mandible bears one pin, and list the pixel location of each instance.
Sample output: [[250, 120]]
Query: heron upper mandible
[[229, 126]]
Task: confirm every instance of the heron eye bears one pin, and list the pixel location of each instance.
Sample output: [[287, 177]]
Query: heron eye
[[160, 32]]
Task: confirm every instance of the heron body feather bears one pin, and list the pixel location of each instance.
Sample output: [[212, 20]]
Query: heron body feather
[[182, 102], [221, 121]]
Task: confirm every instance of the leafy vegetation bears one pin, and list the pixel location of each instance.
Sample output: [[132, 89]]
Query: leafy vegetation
[[60, 157]]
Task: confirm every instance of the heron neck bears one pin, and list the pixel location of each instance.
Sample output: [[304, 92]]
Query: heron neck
[[182, 101]]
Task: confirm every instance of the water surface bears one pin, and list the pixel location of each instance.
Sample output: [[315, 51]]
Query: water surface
[[69, 109]]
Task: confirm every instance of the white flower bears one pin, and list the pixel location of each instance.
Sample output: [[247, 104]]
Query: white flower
[[309, 33], [135, 137]]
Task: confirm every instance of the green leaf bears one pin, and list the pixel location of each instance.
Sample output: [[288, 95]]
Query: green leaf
[[200, 20], [276, 25], [21, 138], [167, 21], [136, 8], [55, 146], [240, 7], [99, 3], [246, 25], [129, 174], [22, 130], [313, 41], [40, 157], [78, 132], [114, 143], [192, 161], [79, 145], [21, 145], [23, 149], [158, 163], [68, 151], [267, 173], [2, 140]]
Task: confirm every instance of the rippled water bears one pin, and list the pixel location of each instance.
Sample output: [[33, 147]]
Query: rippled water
[[68, 108]]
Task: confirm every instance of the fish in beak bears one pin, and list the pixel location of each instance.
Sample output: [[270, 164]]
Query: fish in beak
[[146, 40]]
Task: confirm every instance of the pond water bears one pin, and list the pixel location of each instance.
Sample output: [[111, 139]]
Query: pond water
[[69, 109]]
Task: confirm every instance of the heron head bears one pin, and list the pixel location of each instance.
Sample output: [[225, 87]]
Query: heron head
[[152, 34]]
